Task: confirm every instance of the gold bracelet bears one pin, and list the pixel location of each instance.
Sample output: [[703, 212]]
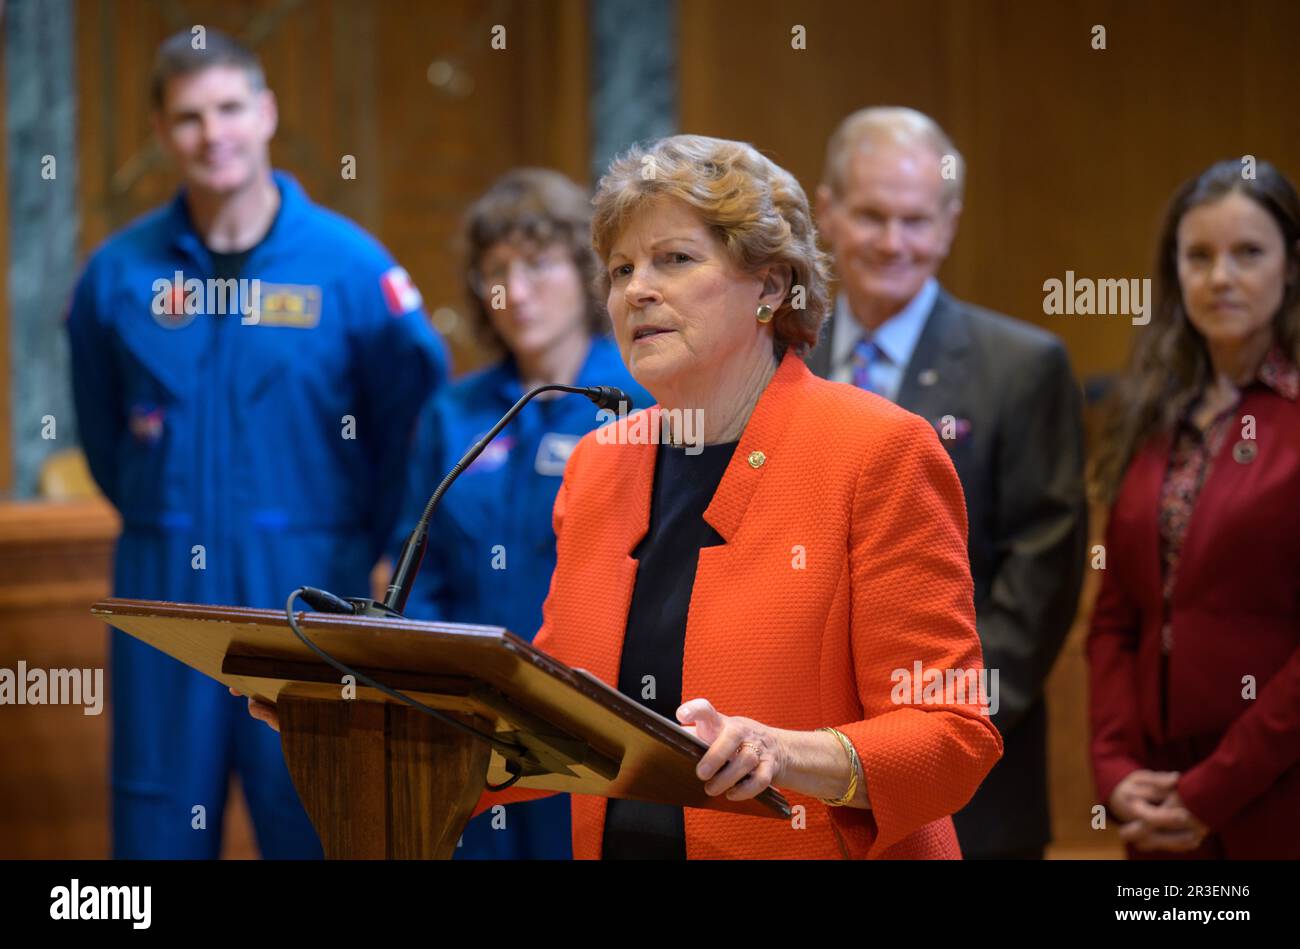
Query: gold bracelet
[[853, 763]]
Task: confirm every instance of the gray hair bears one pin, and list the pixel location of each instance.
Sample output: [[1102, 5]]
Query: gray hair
[[894, 125]]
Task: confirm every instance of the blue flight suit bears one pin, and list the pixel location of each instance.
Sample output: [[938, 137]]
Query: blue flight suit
[[491, 544], [247, 455]]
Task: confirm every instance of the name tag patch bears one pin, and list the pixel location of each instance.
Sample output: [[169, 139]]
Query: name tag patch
[[553, 453], [288, 304]]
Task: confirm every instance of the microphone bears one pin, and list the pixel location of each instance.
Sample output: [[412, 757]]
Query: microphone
[[408, 561], [609, 397]]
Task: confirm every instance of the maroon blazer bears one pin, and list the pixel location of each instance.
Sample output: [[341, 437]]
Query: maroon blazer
[[1234, 612]]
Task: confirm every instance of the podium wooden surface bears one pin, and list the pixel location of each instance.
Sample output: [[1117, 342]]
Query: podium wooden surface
[[381, 779]]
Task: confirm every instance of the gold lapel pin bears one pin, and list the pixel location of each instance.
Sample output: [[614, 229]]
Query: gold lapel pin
[[756, 459], [1244, 452]]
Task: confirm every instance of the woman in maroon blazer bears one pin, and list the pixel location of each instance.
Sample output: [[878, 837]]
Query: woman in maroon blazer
[[1194, 650]]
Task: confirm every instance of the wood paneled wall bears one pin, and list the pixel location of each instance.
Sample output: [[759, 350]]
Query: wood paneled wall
[[412, 90], [1072, 152], [54, 783]]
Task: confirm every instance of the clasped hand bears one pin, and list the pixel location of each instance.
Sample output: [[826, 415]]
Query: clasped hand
[[1154, 815]]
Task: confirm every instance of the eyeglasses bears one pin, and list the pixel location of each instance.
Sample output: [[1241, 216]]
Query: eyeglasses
[[533, 267]]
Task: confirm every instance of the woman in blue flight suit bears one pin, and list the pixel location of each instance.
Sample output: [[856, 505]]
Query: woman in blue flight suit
[[533, 297]]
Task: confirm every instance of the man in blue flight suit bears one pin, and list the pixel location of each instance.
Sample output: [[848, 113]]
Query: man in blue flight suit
[[247, 368]]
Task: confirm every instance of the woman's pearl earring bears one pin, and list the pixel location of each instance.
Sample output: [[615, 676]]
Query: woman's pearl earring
[[764, 313]]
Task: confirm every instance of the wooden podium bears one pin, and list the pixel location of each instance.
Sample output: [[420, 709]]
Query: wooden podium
[[380, 779]]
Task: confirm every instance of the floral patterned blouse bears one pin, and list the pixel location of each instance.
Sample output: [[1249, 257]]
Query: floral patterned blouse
[[1191, 457]]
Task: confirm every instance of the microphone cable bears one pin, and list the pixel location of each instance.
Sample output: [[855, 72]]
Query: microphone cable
[[506, 749]]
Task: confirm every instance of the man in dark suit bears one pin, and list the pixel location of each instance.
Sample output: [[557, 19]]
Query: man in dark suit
[[1003, 401]]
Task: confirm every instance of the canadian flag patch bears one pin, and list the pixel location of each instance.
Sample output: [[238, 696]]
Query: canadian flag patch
[[400, 293]]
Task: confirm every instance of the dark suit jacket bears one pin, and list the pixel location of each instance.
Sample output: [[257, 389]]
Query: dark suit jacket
[[1018, 451], [1234, 612]]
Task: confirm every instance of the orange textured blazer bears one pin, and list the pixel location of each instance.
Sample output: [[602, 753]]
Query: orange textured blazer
[[844, 564]]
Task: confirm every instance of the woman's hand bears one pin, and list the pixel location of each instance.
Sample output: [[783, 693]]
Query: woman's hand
[[262, 711], [1154, 816], [1145, 786], [744, 758], [1165, 826]]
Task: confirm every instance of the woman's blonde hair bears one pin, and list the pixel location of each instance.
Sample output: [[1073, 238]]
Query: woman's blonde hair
[[756, 209]]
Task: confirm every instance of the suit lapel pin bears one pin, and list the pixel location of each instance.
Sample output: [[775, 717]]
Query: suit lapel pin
[[1244, 452], [927, 377]]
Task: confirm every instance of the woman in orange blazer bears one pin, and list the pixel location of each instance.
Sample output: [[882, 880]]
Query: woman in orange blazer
[[786, 560]]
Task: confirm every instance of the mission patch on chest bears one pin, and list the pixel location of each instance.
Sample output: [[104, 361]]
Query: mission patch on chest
[[288, 304]]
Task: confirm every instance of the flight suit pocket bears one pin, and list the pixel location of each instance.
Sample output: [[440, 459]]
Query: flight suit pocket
[[157, 443]]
